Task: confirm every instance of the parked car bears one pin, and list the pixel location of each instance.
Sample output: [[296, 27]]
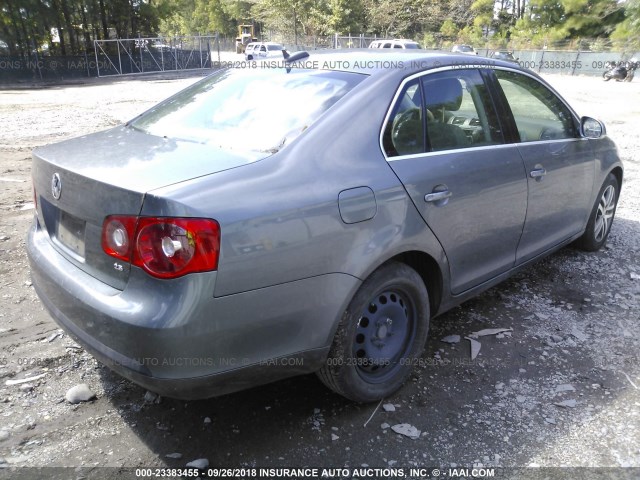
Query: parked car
[[163, 47], [504, 55], [466, 49], [258, 50], [399, 43], [196, 260]]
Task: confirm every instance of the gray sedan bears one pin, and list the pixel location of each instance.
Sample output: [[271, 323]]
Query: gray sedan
[[310, 217]]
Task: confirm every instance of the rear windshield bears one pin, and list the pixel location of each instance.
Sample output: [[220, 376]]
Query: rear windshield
[[245, 110]]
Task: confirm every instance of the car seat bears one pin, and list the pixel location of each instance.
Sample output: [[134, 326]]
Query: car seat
[[443, 96]]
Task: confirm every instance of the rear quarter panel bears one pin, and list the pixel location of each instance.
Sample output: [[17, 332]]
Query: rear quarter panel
[[279, 217]]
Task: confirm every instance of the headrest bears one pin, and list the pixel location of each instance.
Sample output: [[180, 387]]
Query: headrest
[[443, 93]]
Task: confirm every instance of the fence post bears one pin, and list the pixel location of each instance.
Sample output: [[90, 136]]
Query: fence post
[[573, 72], [119, 59], [541, 58], [162, 53], [218, 44], [95, 49], [141, 59]]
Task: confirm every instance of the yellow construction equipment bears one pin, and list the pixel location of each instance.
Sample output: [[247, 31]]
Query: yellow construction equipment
[[246, 35]]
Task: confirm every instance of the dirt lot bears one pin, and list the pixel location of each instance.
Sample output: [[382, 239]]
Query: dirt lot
[[574, 340]]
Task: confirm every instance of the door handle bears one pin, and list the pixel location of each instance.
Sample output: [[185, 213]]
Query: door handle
[[537, 173], [437, 196]]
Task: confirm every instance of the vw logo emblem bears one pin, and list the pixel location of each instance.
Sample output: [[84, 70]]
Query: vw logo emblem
[[56, 186]]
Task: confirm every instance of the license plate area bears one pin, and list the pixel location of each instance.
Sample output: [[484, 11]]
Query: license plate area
[[69, 233]]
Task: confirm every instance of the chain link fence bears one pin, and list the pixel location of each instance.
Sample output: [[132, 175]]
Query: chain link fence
[[569, 57], [158, 54], [118, 57], [161, 54]]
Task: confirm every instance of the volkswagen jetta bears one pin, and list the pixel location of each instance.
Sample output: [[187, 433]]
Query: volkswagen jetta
[[311, 217]]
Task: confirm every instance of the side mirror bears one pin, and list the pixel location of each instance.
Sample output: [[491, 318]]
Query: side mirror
[[592, 128]]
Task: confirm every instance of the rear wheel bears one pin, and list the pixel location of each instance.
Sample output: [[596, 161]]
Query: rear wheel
[[382, 332], [599, 225]]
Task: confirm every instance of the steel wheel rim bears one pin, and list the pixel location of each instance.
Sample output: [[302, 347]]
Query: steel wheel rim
[[384, 334], [604, 214]]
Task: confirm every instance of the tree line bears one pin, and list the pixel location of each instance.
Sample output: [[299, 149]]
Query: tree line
[[64, 27]]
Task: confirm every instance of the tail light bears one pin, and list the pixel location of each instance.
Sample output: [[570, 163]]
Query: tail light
[[117, 236], [162, 246]]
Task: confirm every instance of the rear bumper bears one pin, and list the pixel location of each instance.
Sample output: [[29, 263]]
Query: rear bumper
[[174, 338]]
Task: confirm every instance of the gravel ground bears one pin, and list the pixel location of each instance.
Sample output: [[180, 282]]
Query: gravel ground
[[559, 389]]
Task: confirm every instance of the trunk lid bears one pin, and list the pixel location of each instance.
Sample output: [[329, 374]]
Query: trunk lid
[[108, 173]]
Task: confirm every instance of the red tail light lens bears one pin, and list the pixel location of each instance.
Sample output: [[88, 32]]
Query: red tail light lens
[[164, 247], [170, 247]]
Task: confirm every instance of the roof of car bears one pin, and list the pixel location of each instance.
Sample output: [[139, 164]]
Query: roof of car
[[401, 40], [379, 61]]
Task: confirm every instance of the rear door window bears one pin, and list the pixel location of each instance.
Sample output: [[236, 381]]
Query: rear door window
[[442, 111], [459, 111], [404, 132]]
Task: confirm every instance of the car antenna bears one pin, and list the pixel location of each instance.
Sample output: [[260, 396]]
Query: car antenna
[[295, 57], [288, 58]]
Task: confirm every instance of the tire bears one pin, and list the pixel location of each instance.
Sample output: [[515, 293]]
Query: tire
[[606, 76], [381, 334], [602, 214]]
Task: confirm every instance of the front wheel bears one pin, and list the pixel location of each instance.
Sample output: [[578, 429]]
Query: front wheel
[[381, 334], [601, 218], [606, 76]]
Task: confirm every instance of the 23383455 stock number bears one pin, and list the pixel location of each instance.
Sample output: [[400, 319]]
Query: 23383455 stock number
[[550, 64], [166, 472]]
